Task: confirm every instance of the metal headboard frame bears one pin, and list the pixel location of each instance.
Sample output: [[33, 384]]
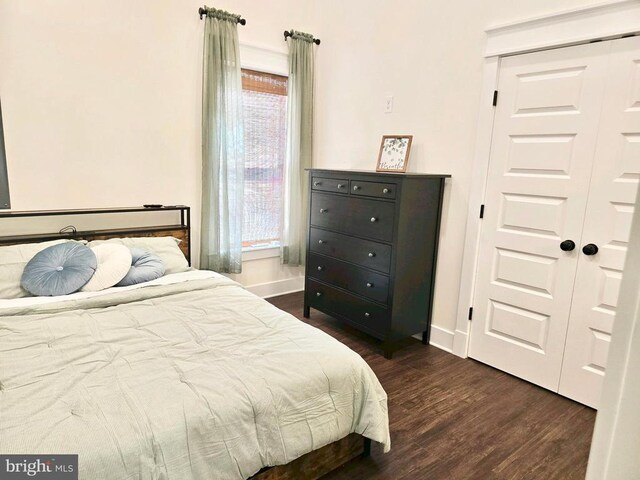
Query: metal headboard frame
[[181, 230]]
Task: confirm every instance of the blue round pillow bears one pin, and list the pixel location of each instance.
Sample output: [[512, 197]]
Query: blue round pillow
[[145, 266], [59, 269]]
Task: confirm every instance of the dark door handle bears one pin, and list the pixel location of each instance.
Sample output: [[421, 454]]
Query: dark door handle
[[590, 249], [567, 245]]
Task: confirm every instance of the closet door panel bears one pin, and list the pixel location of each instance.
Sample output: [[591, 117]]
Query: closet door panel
[[543, 146], [612, 194]]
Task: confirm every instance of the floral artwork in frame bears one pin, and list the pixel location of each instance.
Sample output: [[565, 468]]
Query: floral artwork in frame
[[394, 153]]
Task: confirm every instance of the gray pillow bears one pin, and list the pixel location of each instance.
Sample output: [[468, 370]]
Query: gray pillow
[[145, 266], [59, 270], [13, 259], [165, 247]]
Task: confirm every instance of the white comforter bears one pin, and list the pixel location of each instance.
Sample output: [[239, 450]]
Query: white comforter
[[182, 379]]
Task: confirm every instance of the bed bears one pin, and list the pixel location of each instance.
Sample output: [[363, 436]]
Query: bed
[[189, 376]]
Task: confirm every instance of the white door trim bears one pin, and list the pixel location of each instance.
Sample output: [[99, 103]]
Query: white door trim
[[600, 21], [603, 21]]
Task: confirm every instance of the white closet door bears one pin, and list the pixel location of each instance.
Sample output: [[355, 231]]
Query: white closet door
[[607, 225], [543, 146]]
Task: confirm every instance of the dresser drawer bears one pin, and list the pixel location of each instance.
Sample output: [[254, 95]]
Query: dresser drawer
[[354, 216], [330, 184], [369, 317], [374, 286], [373, 189], [362, 252]]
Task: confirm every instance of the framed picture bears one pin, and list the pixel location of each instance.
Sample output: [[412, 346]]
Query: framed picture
[[394, 153]]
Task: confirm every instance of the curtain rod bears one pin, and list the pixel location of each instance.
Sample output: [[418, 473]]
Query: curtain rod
[[202, 12], [288, 34]]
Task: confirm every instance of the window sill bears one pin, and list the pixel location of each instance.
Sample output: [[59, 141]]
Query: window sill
[[258, 253]]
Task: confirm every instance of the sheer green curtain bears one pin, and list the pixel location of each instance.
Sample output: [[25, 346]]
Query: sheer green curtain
[[299, 142], [222, 145]]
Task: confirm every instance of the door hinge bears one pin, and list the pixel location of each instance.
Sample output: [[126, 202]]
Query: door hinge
[[482, 211], [495, 97], [470, 313]]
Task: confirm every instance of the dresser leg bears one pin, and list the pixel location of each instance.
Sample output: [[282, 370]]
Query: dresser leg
[[387, 348], [306, 312], [425, 337]]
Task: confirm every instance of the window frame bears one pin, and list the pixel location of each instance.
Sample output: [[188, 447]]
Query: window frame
[[276, 62]]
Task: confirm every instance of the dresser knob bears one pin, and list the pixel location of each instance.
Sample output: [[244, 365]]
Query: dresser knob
[[366, 314], [385, 190], [356, 187], [340, 185], [318, 294], [324, 210], [372, 254], [373, 219], [317, 184], [320, 268], [369, 285], [321, 242]]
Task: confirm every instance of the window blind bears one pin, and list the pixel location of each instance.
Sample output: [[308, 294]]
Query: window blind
[[265, 111]]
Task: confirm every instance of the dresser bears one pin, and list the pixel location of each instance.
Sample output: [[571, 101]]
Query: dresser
[[372, 249]]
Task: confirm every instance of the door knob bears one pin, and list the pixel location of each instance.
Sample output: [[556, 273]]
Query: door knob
[[320, 268], [369, 285], [321, 242], [323, 210], [318, 294], [374, 219], [590, 249], [372, 254], [567, 245]]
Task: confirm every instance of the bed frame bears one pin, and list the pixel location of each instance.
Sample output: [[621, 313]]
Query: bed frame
[[311, 466], [181, 231], [319, 462]]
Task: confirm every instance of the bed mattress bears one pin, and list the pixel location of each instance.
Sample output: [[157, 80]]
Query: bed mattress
[[187, 377]]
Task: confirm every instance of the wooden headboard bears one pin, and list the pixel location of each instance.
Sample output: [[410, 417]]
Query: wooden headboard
[[181, 231]]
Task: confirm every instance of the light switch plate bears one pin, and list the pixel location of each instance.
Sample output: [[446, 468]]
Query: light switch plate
[[388, 104]]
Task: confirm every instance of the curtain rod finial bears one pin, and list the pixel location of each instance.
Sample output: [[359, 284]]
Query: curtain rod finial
[[242, 21]]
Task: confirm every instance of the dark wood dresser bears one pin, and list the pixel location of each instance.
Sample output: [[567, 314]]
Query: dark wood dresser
[[372, 249]]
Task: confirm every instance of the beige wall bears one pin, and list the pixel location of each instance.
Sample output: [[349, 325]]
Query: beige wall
[[101, 100], [428, 55]]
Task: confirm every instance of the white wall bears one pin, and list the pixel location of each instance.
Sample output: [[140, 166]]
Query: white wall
[[616, 437], [428, 55], [102, 100]]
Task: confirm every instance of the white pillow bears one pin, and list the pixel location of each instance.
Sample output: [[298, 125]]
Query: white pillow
[[13, 259], [114, 262], [165, 247]]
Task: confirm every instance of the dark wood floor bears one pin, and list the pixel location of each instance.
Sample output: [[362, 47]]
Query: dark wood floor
[[454, 418]]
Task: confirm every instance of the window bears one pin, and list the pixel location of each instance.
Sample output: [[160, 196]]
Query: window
[[265, 126]]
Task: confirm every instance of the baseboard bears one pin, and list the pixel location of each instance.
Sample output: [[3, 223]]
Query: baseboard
[[460, 344], [279, 287], [440, 338]]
